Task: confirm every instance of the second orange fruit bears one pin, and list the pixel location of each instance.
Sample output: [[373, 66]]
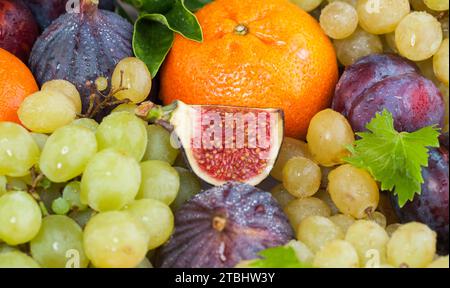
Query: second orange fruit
[[259, 53]]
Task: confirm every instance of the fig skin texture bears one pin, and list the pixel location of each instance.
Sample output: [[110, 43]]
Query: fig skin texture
[[223, 226], [18, 28], [80, 47]]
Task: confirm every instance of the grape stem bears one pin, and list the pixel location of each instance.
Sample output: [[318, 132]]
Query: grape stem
[[36, 180], [153, 113]]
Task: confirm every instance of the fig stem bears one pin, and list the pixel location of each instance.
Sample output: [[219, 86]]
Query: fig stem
[[219, 223]]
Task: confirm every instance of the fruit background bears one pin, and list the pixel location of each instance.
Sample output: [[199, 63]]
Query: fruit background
[[101, 102]]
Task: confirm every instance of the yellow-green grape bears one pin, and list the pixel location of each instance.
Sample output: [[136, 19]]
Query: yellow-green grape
[[281, 195], [339, 20], [58, 235], [124, 132], [390, 41], [159, 146], [444, 24], [40, 139], [378, 218], [427, 70], [4, 248], [303, 253], [419, 5], [289, 149], [441, 61], [301, 177], [90, 124], [307, 5], [365, 236], [317, 231], [441, 262], [3, 183], [127, 107], [329, 134], [67, 153], [418, 36], [337, 254], [343, 222], [115, 240], [412, 245], [16, 184], [46, 111], [160, 181], [20, 218], [66, 88], [357, 45], [354, 191], [189, 186], [101, 83], [17, 259], [381, 16], [390, 229], [18, 150], [111, 180], [437, 5], [326, 197], [71, 193], [157, 218], [145, 264], [351, 2], [132, 80], [300, 209]]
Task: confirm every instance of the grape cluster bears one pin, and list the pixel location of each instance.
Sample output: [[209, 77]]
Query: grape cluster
[[340, 216], [100, 190]]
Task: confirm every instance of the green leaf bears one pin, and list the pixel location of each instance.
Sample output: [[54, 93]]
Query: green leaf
[[195, 5], [182, 21], [152, 40], [152, 6], [394, 159], [278, 257]]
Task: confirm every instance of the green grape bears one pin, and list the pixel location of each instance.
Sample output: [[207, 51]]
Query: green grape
[[3, 183], [20, 218], [301, 177], [125, 132], [307, 5], [67, 153], [131, 74], [57, 236], [50, 194], [337, 254], [289, 149], [145, 264], [381, 16], [88, 123], [282, 196], [17, 259], [441, 62], [356, 46], [159, 146], [6, 248], [351, 2], [418, 36], [157, 218], [71, 194], [18, 150], [40, 139], [342, 221], [160, 181], [303, 253], [323, 195], [101, 83], [390, 45], [339, 20], [46, 111], [437, 5], [115, 240], [16, 184], [60, 206], [317, 231], [82, 217], [127, 107], [441, 262], [299, 209], [189, 186], [67, 88], [111, 180]]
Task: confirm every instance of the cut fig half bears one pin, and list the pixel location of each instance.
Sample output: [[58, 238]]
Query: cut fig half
[[224, 143]]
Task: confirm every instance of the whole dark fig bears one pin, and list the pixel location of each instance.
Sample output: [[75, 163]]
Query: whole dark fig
[[18, 28], [223, 226], [45, 11], [431, 206], [80, 47]]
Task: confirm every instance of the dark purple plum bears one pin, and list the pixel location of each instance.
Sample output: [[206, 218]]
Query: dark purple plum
[[46, 11], [431, 206], [413, 100], [80, 47], [223, 226], [365, 73], [443, 139], [18, 28]]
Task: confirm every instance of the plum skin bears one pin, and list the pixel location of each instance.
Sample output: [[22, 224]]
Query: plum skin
[[387, 81], [431, 206], [18, 28]]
